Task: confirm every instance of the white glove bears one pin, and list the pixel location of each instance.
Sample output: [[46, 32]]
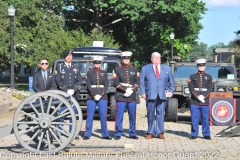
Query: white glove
[[126, 95], [129, 91], [201, 98], [97, 97], [70, 92]]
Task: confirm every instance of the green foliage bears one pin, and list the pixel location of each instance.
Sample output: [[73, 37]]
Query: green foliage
[[40, 32], [199, 51], [236, 47], [140, 26], [211, 48]]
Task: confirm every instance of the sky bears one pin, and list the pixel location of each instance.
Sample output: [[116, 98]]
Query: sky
[[220, 21]]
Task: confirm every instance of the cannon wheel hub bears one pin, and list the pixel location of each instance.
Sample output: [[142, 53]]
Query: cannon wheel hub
[[45, 123]]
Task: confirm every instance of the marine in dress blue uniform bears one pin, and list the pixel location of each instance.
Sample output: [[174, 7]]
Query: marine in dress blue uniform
[[126, 81], [68, 79], [97, 84], [200, 85]]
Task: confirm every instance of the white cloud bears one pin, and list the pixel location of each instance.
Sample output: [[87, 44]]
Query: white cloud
[[233, 3]]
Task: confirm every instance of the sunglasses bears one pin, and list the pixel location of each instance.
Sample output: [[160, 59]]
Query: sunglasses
[[45, 63], [97, 62]]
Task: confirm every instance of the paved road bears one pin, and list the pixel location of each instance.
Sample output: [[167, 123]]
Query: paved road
[[175, 146]]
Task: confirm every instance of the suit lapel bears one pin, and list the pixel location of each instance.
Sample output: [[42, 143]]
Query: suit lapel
[[41, 77], [48, 74], [161, 71]]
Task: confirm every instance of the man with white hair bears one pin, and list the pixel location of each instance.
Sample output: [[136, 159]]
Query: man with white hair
[[156, 86], [126, 81], [200, 86]]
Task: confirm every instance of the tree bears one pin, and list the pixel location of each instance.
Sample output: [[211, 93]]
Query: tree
[[199, 51], [140, 26], [235, 45], [39, 33]]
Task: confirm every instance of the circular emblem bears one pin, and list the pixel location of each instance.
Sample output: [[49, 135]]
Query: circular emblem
[[222, 111]]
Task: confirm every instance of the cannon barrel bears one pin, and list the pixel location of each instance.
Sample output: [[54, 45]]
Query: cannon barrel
[[28, 107]]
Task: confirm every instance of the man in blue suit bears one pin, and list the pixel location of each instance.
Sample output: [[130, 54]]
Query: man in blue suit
[[156, 85]]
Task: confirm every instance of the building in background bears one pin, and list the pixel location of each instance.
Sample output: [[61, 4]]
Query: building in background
[[223, 55]]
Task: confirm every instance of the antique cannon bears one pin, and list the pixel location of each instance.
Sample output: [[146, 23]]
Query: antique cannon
[[42, 126], [230, 131]]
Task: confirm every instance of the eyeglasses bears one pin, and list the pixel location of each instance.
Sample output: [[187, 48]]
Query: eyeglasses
[[45, 63], [201, 65]]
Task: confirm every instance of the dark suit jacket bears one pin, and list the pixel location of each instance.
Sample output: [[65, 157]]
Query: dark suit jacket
[[38, 83]]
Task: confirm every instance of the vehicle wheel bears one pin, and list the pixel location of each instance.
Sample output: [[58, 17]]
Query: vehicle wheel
[[171, 110], [112, 107]]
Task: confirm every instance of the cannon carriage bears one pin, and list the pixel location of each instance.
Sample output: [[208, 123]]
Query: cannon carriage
[[41, 126]]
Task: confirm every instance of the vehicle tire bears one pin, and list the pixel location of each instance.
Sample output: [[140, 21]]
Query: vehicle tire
[[112, 107], [171, 111]]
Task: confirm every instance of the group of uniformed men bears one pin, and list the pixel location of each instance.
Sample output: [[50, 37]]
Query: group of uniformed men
[[126, 80]]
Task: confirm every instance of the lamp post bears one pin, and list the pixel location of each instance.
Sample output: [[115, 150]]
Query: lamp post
[[11, 13], [172, 38], [185, 48], [172, 62]]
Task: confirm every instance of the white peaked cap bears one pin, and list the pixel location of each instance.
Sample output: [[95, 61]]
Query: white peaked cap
[[126, 54], [97, 58], [201, 61]]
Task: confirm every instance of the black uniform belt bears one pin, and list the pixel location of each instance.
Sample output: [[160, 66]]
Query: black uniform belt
[[200, 89], [97, 86]]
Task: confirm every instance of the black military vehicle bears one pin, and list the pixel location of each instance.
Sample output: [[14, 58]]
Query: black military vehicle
[[224, 79], [82, 57]]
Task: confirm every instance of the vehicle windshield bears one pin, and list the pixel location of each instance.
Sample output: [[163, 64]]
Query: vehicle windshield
[[223, 72]]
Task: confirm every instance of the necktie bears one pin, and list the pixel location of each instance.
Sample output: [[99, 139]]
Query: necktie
[[68, 66], [157, 71], [45, 79]]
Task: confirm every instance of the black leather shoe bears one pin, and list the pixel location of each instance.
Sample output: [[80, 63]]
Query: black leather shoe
[[192, 137], [117, 137], [86, 138], [133, 137], [108, 138], [207, 137]]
